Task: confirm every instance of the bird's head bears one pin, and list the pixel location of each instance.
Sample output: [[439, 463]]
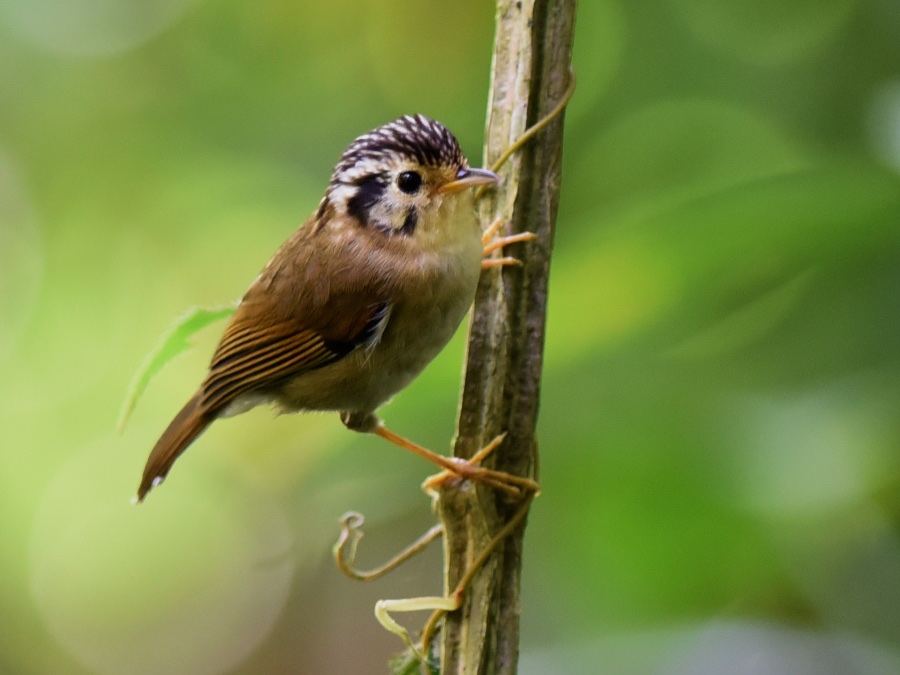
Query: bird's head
[[396, 177]]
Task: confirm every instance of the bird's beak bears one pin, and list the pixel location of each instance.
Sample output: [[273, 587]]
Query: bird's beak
[[466, 178]]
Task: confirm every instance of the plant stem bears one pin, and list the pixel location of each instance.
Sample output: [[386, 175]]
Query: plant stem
[[532, 53]]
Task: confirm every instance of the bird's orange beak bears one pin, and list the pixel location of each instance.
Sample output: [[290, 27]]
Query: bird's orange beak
[[467, 178]]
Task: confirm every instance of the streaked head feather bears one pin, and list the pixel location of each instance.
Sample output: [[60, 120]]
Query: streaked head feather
[[412, 138]]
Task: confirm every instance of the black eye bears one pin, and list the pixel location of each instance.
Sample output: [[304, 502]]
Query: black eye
[[409, 182]]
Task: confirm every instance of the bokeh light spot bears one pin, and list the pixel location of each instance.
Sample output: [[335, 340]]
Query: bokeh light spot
[[766, 32], [884, 123], [438, 63], [91, 27], [21, 259], [611, 292], [597, 61], [679, 149], [201, 575], [808, 453]]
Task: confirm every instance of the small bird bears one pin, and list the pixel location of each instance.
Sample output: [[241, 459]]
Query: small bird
[[358, 300]]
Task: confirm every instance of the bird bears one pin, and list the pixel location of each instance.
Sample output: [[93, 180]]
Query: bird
[[359, 299]]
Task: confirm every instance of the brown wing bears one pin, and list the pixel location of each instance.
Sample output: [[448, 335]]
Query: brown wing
[[252, 356], [313, 304]]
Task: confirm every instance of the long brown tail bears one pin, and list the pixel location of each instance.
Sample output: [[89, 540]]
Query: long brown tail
[[181, 432]]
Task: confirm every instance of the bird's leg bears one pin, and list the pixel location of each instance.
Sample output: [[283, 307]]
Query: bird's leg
[[491, 243], [453, 467], [433, 483], [456, 467], [453, 470]]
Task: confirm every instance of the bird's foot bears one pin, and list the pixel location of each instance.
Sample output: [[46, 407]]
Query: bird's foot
[[491, 243], [455, 468], [471, 469]]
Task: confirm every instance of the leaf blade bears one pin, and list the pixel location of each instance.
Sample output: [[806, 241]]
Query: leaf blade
[[172, 343]]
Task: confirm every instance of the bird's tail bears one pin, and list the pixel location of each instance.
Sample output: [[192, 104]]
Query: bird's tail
[[181, 432]]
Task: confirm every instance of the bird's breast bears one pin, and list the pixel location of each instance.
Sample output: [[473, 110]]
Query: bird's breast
[[427, 307], [420, 325]]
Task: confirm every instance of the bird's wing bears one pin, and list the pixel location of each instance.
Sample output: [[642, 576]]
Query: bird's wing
[[255, 354], [313, 304], [251, 356], [317, 301]]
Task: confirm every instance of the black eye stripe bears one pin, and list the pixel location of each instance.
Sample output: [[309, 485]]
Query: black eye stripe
[[410, 222], [370, 190]]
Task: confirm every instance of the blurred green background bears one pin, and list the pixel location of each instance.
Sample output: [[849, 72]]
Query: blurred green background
[[720, 418]]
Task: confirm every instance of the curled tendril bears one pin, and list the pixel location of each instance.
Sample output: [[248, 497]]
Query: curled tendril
[[344, 549], [531, 131], [432, 623]]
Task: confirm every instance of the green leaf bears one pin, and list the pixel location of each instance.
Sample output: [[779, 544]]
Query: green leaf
[[407, 663], [173, 343]]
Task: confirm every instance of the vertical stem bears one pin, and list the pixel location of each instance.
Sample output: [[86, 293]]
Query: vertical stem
[[532, 53]]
